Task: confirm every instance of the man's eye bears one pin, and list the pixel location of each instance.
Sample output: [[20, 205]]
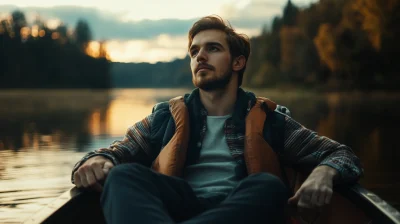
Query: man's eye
[[212, 48], [193, 53]]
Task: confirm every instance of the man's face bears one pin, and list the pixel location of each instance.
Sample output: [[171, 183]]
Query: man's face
[[211, 62]]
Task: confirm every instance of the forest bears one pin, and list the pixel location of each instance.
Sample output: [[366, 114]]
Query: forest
[[330, 45], [40, 57]]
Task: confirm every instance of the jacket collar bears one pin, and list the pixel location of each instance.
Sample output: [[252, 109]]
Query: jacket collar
[[245, 100]]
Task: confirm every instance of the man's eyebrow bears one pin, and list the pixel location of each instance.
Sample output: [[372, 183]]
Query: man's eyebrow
[[207, 44], [214, 44]]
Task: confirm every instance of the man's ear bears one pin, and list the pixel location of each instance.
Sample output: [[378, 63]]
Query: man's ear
[[238, 63]]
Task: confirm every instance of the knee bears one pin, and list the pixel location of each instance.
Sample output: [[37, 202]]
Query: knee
[[123, 171], [266, 179], [269, 183], [125, 175]]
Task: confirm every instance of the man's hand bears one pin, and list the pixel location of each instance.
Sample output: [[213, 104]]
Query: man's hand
[[316, 191], [92, 173]]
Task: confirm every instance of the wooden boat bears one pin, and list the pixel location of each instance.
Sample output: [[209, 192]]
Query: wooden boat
[[351, 204]]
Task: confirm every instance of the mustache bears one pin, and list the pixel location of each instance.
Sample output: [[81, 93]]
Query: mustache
[[204, 65]]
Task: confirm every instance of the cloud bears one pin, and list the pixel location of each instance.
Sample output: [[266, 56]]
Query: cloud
[[106, 25], [161, 48], [111, 26], [254, 14]]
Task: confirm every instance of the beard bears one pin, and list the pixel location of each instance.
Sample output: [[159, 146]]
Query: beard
[[213, 83]]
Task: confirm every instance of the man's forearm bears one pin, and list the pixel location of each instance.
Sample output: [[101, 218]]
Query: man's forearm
[[327, 171], [304, 147]]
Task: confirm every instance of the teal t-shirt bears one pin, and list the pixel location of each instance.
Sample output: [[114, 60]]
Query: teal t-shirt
[[214, 173]]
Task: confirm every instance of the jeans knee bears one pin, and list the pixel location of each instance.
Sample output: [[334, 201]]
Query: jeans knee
[[129, 170], [269, 182], [265, 178]]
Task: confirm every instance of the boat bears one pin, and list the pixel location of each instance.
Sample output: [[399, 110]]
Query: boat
[[350, 204]]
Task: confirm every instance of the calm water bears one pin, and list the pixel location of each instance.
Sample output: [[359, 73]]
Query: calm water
[[43, 134]]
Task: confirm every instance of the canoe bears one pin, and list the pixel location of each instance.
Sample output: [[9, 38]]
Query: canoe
[[350, 204]]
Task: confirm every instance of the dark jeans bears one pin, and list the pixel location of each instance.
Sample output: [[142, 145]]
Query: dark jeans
[[136, 194]]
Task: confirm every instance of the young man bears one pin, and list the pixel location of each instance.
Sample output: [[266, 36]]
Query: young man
[[197, 159]]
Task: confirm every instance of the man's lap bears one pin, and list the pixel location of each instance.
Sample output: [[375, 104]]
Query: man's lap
[[182, 204]]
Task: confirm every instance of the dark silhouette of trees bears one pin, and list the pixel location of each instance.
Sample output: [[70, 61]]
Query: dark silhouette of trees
[[290, 14], [39, 57], [18, 22], [82, 35]]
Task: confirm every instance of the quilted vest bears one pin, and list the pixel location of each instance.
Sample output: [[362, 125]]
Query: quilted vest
[[258, 154]]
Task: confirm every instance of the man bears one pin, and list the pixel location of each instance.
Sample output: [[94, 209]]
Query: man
[[191, 162]]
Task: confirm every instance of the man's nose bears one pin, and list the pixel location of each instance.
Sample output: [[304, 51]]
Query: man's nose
[[202, 56]]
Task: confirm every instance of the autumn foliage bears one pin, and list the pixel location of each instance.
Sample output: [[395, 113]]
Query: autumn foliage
[[330, 45]]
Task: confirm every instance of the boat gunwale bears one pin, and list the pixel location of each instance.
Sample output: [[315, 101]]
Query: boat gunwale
[[376, 208]]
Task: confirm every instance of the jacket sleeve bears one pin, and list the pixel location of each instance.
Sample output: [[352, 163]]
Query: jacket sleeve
[[304, 148], [134, 147]]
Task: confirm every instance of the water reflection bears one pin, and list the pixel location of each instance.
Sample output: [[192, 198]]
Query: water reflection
[[43, 134], [45, 117]]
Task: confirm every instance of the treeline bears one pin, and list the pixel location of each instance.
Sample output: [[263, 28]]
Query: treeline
[[159, 75], [331, 45], [40, 57]]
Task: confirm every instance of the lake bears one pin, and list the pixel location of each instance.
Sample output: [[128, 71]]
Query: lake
[[43, 133]]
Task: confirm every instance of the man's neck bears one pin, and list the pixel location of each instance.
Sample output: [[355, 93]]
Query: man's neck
[[219, 102]]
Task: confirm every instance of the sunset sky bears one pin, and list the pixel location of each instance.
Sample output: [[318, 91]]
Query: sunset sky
[[149, 30]]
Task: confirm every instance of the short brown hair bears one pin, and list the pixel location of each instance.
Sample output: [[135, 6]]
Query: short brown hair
[[239, 44]]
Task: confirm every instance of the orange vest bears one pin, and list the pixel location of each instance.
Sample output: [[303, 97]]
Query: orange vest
[[258, 154]]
